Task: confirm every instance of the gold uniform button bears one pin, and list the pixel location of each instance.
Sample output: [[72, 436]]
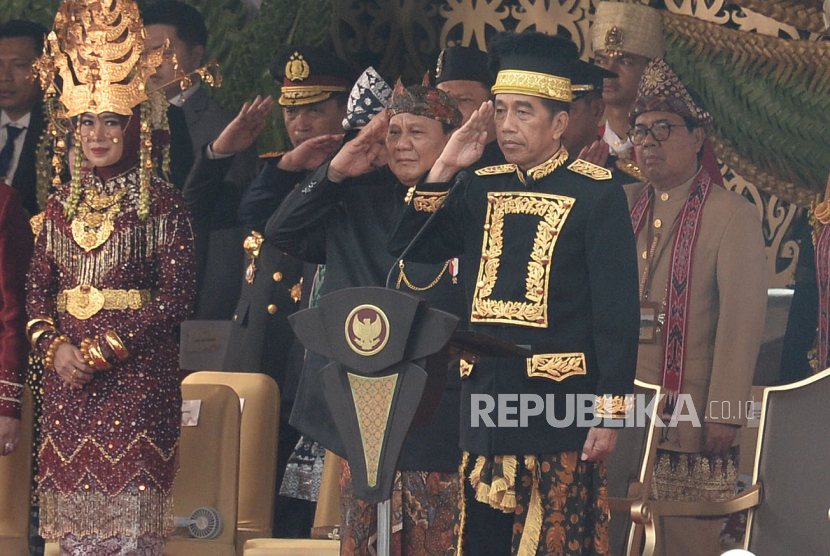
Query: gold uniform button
[[277, 276], [272, 309], [658, 223], [645, 254], [664, 197]]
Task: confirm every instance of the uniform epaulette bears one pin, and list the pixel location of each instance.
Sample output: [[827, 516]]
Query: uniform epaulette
[[496, 170], [631, 168], [589, 169], [36, 222], [275, 154]]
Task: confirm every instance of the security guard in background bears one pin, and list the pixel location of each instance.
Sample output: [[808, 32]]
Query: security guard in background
[[315, 88], [463, 73]]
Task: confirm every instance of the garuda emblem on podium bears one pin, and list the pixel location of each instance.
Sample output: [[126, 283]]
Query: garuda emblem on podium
[[367, 330]]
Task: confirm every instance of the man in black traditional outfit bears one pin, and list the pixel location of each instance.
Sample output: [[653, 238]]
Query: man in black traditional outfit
[[342, 215], [557, 270]]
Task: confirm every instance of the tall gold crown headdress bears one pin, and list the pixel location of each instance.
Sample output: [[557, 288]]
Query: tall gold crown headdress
[[97, 49]]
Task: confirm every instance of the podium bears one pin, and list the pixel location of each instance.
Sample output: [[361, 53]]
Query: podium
[[387, 355]]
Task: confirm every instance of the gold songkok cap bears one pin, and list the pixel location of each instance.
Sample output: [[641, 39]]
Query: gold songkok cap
[[96, 48], [533, 64], [628, 28]]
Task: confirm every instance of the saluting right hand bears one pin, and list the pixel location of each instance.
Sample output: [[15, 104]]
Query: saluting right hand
[[465, 146], [245, 128], [363, 153], [309, 154]]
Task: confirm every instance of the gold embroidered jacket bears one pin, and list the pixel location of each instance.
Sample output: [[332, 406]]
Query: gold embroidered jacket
[[552, 265]]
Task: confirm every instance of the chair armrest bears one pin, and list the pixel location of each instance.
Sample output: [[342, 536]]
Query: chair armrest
[[749, 498]]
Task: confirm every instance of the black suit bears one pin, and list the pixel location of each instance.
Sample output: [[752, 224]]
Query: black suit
[[25, 177], [213, 192], [567, 292]]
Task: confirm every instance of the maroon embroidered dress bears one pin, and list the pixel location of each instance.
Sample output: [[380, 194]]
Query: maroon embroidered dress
[[108, 450]]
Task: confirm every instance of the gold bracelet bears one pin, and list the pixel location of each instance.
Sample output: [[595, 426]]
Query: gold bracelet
[[96, 356], [35, 337], [49, 359], [116, 345], [822, 212]]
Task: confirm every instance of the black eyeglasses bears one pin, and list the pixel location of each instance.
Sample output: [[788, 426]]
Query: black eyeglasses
[[661, 131]]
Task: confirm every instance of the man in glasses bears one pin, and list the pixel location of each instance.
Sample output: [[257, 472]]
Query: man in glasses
[[702, 302], [625, 37]]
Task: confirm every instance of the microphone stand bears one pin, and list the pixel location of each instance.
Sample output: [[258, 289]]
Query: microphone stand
[[459, 178]]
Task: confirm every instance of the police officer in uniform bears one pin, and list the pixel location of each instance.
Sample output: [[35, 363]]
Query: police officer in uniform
[[315, 87], [551, 263]]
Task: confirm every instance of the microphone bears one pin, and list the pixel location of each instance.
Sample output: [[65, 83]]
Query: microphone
[[459, 178]]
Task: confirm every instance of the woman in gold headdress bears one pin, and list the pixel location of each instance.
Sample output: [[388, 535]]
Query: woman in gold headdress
[[111, 279]]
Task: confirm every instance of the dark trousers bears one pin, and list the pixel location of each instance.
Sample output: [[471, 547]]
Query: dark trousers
[[487, 531]]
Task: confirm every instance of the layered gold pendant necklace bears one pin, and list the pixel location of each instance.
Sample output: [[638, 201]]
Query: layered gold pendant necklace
[[95, 220]]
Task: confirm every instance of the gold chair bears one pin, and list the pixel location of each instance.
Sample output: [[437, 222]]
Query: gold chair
[[326, 517], [209, 470], [630, 468], [790, 494], [16, 486], [260, 396]]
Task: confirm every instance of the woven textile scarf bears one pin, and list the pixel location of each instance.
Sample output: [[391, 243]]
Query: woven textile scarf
[[679, 282], [822, 248]]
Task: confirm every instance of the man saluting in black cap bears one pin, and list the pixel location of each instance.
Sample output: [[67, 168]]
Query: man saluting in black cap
[[463, 73], [556, 270]]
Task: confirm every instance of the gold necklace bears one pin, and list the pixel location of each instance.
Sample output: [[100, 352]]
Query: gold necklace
[[402, 278], [95, 220]]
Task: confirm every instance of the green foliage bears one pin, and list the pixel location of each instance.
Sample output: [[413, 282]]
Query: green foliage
[[243, 45], [780, 128]]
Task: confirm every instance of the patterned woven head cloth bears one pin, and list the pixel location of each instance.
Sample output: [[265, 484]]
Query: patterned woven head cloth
[[425, 100], [660, 90], [369, 96]]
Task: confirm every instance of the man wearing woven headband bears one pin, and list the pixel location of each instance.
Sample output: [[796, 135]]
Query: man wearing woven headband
[[551, 241], [706, 317], [342, 215]]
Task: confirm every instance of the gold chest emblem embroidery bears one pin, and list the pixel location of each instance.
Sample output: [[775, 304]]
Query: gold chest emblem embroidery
[[95, 220], [367, 330], [552, 210], [297, 68]]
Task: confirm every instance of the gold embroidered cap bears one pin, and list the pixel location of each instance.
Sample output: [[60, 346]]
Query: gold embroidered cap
[[660, 90], [310, 74], [623, 27], [96, 48], [533, 64]]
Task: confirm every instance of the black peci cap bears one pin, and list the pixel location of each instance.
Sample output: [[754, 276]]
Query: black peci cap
[[462, 63], [588, 77], [533, 64]]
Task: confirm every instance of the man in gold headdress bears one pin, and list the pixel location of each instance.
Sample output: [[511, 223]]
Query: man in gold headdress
[[703, 295], [626, 36]]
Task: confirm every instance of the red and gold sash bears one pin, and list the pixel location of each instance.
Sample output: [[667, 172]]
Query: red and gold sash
[[679, 282]]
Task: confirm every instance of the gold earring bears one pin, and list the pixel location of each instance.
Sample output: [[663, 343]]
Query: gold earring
[[115, 140]]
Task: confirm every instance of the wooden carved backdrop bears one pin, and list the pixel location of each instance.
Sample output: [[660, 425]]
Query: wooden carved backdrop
[[769, 100]]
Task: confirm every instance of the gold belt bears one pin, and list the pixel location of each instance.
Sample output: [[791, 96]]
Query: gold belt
[[82, 302]]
